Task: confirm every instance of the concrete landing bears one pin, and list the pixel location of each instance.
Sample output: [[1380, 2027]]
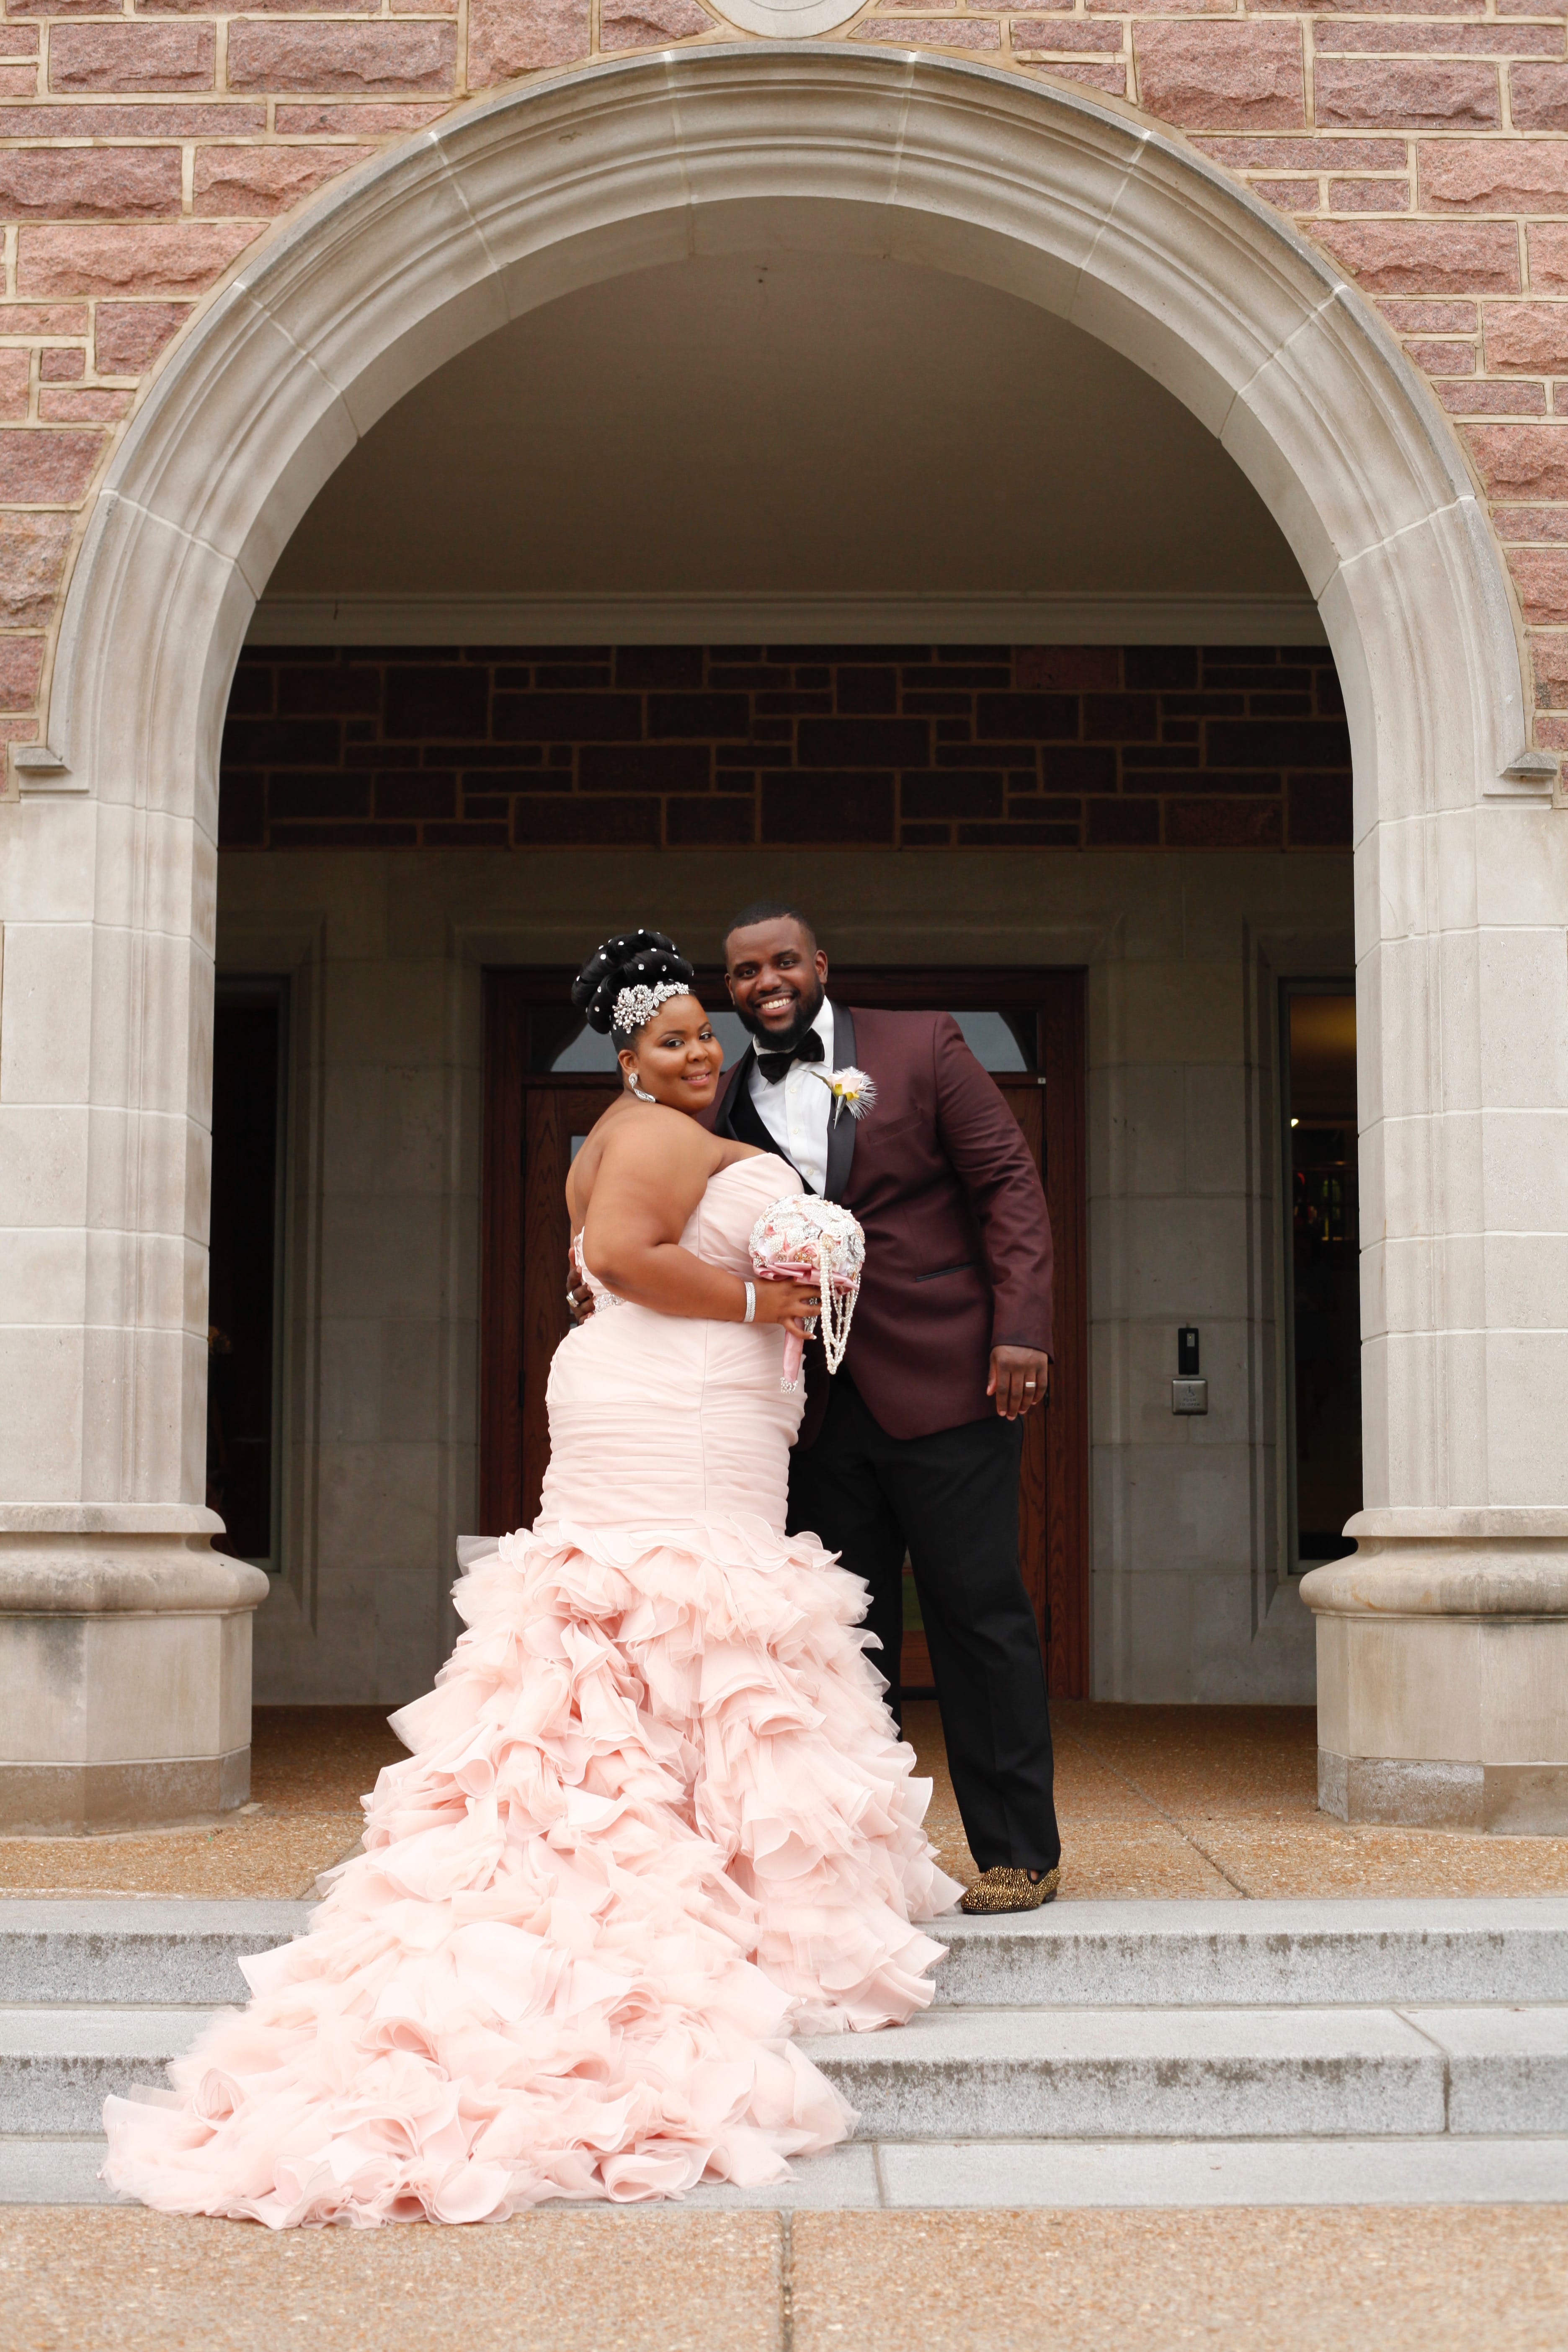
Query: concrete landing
[[1184, 1803]]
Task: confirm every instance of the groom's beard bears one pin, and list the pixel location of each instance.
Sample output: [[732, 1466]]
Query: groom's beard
[[784, 1041]]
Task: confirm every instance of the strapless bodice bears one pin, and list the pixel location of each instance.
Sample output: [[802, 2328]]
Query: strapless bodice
[[694, 1414], [720, 1227]]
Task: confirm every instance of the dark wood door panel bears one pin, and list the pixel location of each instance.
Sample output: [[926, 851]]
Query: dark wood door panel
[[1046, 1575], [1033, 1482], [556, 1117], [1066, 1431], [500, 1260]]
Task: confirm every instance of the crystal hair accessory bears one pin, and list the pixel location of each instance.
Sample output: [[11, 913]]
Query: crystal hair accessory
[[802, 1239], [634, 1006], [852, 1090]]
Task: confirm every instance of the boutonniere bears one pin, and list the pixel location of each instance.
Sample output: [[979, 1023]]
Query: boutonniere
[[852, 1090]]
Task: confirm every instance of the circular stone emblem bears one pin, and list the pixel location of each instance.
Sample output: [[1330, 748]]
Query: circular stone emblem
[[788, 20]]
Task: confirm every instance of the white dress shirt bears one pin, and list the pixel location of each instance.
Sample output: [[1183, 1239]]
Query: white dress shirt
[[795, 1110]]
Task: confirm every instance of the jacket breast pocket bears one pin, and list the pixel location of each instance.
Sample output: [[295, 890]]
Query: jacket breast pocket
[[965, 1265], [892, 1134]]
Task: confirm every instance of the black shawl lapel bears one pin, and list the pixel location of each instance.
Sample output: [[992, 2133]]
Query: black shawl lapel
[[841, 1133], [740, 1117], [734, 1087]]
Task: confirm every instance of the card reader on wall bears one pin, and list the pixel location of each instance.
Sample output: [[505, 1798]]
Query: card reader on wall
[[1188, 1392]]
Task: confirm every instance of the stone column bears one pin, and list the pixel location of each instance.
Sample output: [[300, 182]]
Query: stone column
[[125, 1639], [1443, 1644]]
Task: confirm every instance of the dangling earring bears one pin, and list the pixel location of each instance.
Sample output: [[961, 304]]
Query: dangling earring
[[638, 1091]]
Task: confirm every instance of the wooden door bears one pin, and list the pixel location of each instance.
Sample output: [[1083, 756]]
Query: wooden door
[[1052, 1513], [532, 1122], [557, 1123], [554, 1120], [1023, 1098], [532, 1113]]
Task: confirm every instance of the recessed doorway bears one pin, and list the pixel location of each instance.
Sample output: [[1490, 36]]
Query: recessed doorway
[[547, 1079]]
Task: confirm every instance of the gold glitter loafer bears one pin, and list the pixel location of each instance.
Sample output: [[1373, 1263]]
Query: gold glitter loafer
[[1006, 1889]]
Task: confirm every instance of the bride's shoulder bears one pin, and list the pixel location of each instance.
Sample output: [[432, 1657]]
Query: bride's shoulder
[[660, 1137]]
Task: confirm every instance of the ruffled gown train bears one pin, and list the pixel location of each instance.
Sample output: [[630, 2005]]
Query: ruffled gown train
[[655, 1821]]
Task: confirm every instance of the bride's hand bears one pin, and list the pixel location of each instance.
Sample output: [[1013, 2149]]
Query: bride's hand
[[789, 1303]]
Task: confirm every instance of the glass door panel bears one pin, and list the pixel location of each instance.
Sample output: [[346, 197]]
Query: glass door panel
[[246, 1267], [1323, 1287]]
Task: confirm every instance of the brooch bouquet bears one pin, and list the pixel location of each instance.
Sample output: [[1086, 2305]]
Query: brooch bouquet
[[803, 1238]]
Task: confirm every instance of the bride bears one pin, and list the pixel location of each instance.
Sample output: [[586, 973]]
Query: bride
[[655, 1818]]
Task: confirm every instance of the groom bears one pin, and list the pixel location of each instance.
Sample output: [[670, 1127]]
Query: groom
[[915, 1445]]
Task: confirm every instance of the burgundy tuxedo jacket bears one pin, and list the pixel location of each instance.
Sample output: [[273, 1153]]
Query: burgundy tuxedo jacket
[[958, 1240]]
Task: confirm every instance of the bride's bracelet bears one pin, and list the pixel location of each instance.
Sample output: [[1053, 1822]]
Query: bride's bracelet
[[750, 1314]]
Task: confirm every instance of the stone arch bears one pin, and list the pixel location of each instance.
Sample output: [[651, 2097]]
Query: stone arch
[[1044, 192]]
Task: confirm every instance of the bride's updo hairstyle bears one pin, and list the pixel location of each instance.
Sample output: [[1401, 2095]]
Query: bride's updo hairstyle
[[641, 960]]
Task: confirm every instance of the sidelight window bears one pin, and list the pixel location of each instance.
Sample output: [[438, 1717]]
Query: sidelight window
[[561, 1042], [245, 1298], [1322, 1288]]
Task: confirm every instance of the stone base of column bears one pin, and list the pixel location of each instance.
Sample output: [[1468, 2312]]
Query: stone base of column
[[1442, 1672], [1509, 1800], [125, 1670]]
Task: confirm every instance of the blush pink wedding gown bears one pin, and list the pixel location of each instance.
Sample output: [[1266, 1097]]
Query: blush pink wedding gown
[[655, 1820]]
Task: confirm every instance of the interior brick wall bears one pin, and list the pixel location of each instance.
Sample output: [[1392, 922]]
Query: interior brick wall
[[145, 146], [915, 747]]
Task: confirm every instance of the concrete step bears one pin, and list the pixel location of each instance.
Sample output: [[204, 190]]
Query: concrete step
[[1219, 2073], [978, 2175], [57, 2170], [1507, 2068], [1014, 2174], [1229, 1955], [1048, 2074], [58, 2065], [1095, 1955], [1097, 2026], [136, 1949]]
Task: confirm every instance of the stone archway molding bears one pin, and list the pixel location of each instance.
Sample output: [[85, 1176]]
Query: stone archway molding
[[1043, 191], [1047, 193]]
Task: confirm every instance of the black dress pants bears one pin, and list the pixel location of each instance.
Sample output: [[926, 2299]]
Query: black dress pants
[[951, 1501]]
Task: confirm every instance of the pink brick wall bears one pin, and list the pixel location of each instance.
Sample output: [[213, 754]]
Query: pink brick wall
[[142, 149]]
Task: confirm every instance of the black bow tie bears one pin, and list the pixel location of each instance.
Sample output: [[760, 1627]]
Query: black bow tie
[[773, 1066]]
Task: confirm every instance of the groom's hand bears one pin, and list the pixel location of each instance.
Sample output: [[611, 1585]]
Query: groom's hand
[[1019, 1378], [579, 1297]]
